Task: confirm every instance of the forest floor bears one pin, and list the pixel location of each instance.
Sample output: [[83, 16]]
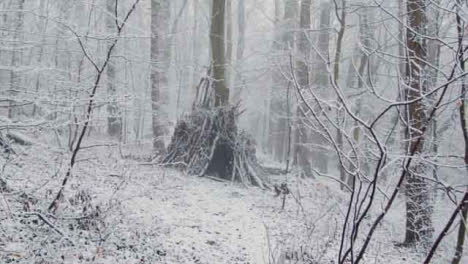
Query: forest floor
[[124, 211]]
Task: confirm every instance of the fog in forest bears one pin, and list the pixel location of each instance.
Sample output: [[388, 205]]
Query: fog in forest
[[233, 131]]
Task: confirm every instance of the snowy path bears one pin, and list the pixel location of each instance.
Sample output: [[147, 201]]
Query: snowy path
[[203, 221]]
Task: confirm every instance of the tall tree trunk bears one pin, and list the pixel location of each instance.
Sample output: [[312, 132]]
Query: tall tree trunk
[[238, 82], [267, 135], [418, 205], [301, 149], [321, 73], [464, 125], [229, 44], [361, 76], [268, 121], [44, 10], [336, 78], [15, 79], [433, 51], [218, 58], [401, 38], [175, 54], [318, 154], [357, 78], [160, 12], [283, 44], [114, 118], [195, 48]]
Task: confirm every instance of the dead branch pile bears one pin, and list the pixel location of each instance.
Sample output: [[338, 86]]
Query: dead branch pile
[[207, 142]]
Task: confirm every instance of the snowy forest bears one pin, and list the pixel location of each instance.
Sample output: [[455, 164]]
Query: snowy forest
[[234, 131]]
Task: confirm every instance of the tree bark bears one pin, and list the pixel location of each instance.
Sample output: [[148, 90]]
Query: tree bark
[[229, 44], [160, 12], [318, 154], [238, 82], [321, 73], [464, 126], [301, 148], [114, 118], [195, 48], [418, 205], [43, 11], [15, 79], [268, 121], [218, 58], [283, 44], [433, 50], [358, 78], [336, 78]]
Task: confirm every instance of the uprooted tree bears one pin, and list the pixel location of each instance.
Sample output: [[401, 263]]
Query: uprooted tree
[[207, 141]]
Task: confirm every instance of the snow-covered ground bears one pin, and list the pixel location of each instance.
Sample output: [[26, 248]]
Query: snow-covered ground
[[126, 211]]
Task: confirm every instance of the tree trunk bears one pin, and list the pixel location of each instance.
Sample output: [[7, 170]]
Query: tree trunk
[[318, 154], [321, 73], [336, 78], [160, 13], [43, 11], [401, 38], [114, 118], [283, 44], [418, 205], [363, 78], [238, 82], [464, 126], [218, 59], [301, 148], [461, 231], [268, 121], [15, 79], [433, 50], [195, 48], [229, 44]]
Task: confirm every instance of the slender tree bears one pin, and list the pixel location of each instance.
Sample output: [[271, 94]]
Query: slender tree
[[284, 44], [358, 78], [301, 148], [241, 27], [336, 77], [319, 156], [114, 119], [464, 126], [195, 45], [229, 43], [91, 101], [15, 78]]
